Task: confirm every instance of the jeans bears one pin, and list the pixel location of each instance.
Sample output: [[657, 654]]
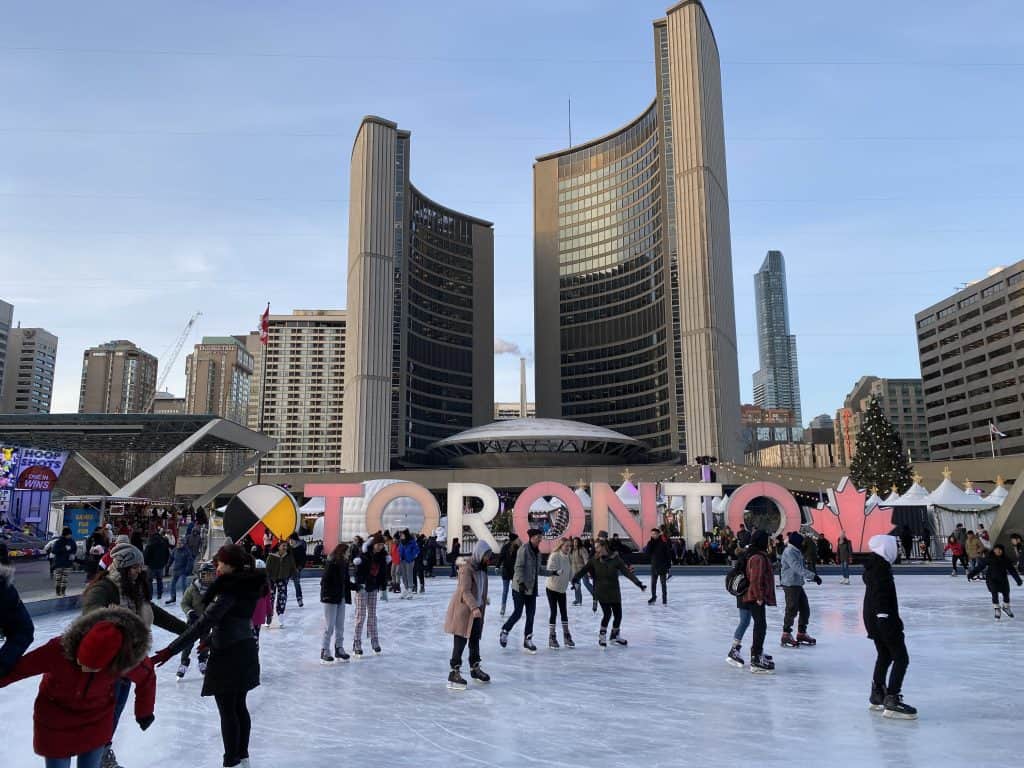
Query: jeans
[[654, 585], [757, 613], [741, 628], [891, 651], [88, 760], [158, 577], [796, 603], [505, 584], [334, 625], [235, 725], [845, 566], [405, 576], [297, 580], [459, 645], [124, 687], [521, 602], [183, 578]]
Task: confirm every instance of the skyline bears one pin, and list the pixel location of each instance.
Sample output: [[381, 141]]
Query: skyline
[[232, 161]]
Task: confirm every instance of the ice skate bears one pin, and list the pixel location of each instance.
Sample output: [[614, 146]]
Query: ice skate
[[734, 659], [896, 709], [340, 655], [182, 669], [653, 600], [876, 702], [804, 639], [110, 759], [376, 649], [456, 682], [594, 606], [602, 638], [996, 609], [478, 674], [788, 641], [528, 646], [553, 639], [617, 639], [502, 611], [325, 657], [566, 637], [503, 638], [357, 652], [1006, 610], [202, 667], [761, 666]]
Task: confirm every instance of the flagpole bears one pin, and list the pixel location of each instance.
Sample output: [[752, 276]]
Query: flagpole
[[264, 329], [992, 439]]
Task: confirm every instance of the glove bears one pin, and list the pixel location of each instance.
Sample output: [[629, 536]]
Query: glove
[[521, 588], [817, 580], [161, 657], [145, 722]]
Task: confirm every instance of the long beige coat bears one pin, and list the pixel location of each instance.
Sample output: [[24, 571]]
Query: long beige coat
[[459, 619]]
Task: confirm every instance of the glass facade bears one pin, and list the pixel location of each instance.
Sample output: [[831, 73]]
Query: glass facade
[[613, 277], [777, 383]]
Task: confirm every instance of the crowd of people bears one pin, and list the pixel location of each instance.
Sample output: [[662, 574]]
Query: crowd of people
[[89, 671]]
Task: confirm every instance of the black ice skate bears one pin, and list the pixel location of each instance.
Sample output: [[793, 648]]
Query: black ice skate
[[456, 682], [553, 639], [528, 646], [759, 665], [620, 641], [340, 655], [804, 639], [734, 659], [478, 674], [788, 641], [602, 638], [503, 638], [876, 702], [566, 637], [653, 600], [1007, 611], [325, 657], [182, 669], [376, 649], [996, 609], [896, 709]]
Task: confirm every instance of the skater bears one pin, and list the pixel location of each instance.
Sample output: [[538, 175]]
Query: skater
[[760, 593], [884, 626], [16, 626], [998, 569], [408, 551], [371, 577], [793, 576], [956, 551], [298, 549], [193, 604], [182, 563], [559, 572], [126, 584], [845, 555], [391, 545], [453, 556], [524, 590], [975, 551], [507, 566], [660, 552], [280, 570], [335, 594], [157, 555], [418, 569], [734, 657], [82, 669], [578, 556], [63, 550], [605, 567], [465, 617], [1018, 550], [234, 666]]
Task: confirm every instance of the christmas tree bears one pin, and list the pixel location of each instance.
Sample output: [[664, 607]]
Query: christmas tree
[[880, 460]]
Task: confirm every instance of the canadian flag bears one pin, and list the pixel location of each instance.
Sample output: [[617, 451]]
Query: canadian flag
[[265, 325], [995, 430]]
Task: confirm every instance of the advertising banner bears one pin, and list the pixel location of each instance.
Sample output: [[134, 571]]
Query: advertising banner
[[82, 521]]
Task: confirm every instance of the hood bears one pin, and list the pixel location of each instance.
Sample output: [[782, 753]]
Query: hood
[[479, 552], [884, 546], [134, 646]]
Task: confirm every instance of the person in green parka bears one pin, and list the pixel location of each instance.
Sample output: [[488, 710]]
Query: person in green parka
[[604, 567]]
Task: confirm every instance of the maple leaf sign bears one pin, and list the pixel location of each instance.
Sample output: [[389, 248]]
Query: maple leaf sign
[[852, 518]]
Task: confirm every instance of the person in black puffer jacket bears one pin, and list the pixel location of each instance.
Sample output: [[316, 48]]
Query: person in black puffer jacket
[[371, 576], [234, 666], [884, 626], [661, 564], [16, 627], [507, 566], [998, 568], [335, 594]]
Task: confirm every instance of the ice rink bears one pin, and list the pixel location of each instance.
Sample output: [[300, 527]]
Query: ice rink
[[668, 699]]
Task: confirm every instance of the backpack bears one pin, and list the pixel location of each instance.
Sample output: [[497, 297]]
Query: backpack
[[736, 581]]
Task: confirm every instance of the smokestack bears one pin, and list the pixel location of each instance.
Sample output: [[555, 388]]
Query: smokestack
[[522, 387]]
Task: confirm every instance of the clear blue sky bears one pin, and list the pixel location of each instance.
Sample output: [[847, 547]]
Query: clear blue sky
[[156, 159]]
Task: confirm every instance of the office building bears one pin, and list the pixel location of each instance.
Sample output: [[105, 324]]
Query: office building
[[28, 379], [504, 411], [117, 377], [777, 382], [218, 378], [304, 395], [633, 293], [902, 403], [420, 359], [971, 349], [165, 402], [6, 322]]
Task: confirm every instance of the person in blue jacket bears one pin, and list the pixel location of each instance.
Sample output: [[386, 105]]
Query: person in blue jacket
[[16, 626], [408, 551]]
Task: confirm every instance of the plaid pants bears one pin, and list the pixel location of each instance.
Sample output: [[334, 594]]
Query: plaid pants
[[366, 613], [281, 591], [60, 580]]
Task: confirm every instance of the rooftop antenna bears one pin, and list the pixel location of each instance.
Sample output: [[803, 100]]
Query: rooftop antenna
[[570, 122]]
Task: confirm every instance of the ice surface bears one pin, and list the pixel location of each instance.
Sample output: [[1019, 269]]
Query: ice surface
[[668, 699]]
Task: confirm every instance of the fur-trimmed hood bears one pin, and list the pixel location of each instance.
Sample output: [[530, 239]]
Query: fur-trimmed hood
[[134, 646], [7, 574]]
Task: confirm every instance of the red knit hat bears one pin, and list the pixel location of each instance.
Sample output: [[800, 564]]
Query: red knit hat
[[100, 645]]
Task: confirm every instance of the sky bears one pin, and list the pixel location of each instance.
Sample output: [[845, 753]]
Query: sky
[[158, 159]]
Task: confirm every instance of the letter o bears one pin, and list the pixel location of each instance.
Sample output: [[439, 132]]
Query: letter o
[[562, 492], [789, 519]]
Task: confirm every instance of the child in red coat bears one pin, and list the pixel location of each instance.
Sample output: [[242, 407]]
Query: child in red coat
[[74, 711]]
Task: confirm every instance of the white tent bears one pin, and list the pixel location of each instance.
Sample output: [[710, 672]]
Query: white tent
[[892, 498], [999, 493], [315, 506], [916, 496], [950, 496], [873, 501], [541, 505], [629, 495], [585, 499]]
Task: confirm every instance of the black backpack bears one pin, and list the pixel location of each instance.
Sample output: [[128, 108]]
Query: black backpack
[[736, 581]]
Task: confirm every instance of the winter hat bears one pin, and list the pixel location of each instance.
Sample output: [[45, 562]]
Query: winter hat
[[122, 539], [759, 539], [796, 539], [125, 556], [233, 555], [100, 645], [884, 546], [534, 532], [377, 538]]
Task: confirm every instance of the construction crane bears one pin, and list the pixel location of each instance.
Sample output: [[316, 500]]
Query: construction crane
[[172, 358]]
